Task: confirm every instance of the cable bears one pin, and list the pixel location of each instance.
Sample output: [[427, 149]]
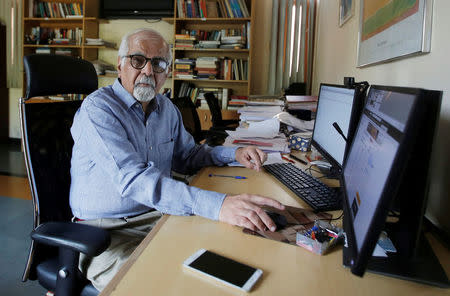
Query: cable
[[324, 219]]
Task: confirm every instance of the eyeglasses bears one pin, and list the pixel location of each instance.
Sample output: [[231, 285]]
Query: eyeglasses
[[137, 61]]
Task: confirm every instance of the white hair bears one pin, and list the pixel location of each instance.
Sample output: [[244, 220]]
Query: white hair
[[154, 36]]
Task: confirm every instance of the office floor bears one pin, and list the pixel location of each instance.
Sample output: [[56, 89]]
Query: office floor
[[16, 214]]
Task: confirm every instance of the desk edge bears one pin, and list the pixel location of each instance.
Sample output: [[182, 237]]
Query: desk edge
[[133, 257]]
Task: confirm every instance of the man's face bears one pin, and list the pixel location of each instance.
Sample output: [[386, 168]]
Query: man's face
[[143, 83]]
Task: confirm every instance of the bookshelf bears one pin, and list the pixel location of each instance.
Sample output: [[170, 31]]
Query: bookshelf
[[60, 27], [218, 22]]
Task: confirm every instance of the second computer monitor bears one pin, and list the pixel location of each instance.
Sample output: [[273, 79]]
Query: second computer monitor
[[336, 104]]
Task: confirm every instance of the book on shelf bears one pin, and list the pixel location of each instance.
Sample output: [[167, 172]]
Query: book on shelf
[[55, 9], [43, 50], [63, 51], [212, 9]]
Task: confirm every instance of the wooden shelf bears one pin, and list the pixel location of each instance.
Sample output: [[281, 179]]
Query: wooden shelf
[[212, 80], [241, 55], [60, 19], [214, 49], [82, 27], [52, 45], [215, 19]]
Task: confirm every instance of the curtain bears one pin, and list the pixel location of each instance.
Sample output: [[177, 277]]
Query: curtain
[[292, 38], [11, 16]]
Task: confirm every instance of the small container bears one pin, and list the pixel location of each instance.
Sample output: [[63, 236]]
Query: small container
[[321, 238], [300, 141]]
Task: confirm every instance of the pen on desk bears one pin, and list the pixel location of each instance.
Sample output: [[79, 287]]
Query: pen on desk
[[234, 177], [287, 159], [298, 159]]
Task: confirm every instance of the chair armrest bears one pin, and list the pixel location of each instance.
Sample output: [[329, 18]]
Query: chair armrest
[[86, 239]]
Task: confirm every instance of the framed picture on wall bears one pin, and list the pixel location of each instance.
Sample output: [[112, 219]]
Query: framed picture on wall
[[393, 29], [346, 11]]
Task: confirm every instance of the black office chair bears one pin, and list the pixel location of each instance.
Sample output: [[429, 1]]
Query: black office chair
[[191, 121], [217, 134], [47, 143], [190, 117], [217, 122]]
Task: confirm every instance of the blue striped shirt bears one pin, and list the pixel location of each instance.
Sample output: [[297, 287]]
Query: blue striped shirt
[[122, 162]]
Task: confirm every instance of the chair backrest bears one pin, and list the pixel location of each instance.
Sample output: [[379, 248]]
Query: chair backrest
[[191, 121], [214, 107], [46, 138], [49, 74]]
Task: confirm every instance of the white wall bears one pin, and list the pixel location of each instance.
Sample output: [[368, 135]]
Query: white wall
[[336, 57]]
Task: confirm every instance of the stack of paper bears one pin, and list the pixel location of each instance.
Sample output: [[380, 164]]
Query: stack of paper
[[265, 135], [258, 113]]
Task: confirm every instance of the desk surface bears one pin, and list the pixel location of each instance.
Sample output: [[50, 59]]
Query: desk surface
[[156, 265]]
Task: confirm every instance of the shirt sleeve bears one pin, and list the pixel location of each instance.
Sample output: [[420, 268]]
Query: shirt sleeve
[[109, 147]]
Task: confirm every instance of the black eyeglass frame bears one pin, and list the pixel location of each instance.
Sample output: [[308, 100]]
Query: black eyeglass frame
[[131, 56]]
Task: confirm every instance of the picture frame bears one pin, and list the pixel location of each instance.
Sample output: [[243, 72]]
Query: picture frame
[[386, 34], [346, 11]]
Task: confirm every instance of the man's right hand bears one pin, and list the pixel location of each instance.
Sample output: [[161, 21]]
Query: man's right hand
[[245, 210]]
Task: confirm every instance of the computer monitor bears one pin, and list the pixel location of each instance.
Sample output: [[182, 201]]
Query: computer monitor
[[339, 105], [385, 183]]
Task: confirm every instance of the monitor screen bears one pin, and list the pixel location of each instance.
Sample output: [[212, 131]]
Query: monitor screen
[[371, 156], [335, 104], [386, 170]]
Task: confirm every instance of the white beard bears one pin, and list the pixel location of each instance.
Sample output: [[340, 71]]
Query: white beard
[[145, 93]]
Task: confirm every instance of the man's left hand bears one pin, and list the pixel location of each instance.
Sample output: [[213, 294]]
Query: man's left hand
[[251, 157]]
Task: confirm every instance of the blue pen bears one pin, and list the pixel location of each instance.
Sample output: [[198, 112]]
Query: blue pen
[[234, 177]]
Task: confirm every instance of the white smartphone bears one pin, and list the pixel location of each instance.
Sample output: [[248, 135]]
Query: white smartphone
[[223, 269]]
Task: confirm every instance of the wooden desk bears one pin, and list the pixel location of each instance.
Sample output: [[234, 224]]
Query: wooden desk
[[155, 268]]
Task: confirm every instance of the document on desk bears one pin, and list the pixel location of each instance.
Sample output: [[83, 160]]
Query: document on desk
[[277, 144], [263, 129], [293, 121], [259, 109], [274, 157]]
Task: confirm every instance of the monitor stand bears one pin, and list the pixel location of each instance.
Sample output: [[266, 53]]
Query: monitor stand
[[423, 268]]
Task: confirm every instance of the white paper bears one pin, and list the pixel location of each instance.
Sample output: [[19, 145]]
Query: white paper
[[378, 252], [293, 121], [275, 109], [263, 129], [274, 157]]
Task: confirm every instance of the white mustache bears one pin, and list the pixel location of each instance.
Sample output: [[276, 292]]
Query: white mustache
[[146, 80]]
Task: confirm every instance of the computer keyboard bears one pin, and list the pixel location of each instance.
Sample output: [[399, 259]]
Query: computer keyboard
[[315, 193]]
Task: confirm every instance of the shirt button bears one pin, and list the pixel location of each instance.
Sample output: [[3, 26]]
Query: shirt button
[[151, 147]]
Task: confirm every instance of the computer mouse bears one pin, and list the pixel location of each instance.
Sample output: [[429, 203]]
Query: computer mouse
[[279, 220]]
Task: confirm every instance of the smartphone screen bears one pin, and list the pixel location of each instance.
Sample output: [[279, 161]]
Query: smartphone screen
[[225, 269]]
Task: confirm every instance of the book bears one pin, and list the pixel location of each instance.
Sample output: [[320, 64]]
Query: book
[[211, 9]]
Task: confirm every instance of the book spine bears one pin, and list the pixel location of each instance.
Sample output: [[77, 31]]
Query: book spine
[[224, 98], [228, 8]]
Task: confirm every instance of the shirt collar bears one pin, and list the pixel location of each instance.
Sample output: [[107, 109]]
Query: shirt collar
[[129, 100]]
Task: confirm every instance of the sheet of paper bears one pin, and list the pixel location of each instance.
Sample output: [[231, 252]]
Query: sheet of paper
[[276, 109], [274, 157], [291, 120], [378, 252], [266, 103], [262, 129]]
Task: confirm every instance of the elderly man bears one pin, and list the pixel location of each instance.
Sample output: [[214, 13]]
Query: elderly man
[[127, 139]]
